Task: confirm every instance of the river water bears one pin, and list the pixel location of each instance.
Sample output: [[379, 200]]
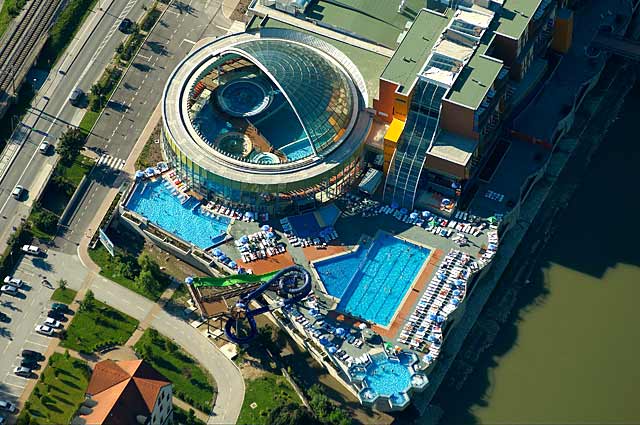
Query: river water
[[572, 353]]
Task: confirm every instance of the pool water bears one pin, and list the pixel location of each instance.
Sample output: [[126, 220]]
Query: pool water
[[387, 377], [371, 283], [156, 203]]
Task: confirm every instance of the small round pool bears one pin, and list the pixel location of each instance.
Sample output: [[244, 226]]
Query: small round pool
[[266, 158], [387, 377], [244, 97]]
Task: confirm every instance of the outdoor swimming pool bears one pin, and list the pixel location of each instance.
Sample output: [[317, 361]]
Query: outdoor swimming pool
[[156, 203], [387, 377], [371, 283]]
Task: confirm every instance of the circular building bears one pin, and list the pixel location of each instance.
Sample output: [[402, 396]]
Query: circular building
[[271, 121]]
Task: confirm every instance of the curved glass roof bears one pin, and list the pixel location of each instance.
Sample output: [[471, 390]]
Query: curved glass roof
[[318, 90]]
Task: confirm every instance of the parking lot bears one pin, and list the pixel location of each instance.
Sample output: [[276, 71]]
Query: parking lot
[[28, 309]]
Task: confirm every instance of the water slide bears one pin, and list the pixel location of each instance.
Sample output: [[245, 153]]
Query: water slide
[[221, 282], [292, 284]]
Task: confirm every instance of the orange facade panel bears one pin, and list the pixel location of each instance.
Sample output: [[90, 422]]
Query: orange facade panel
[[385, 102], [563, 31], [457, 119], [391, 138]]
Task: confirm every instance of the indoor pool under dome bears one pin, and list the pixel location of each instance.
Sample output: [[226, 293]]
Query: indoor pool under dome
[[244, 97]]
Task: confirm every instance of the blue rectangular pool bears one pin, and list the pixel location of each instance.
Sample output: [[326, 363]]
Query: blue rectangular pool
[[156, 203], [371, 283]]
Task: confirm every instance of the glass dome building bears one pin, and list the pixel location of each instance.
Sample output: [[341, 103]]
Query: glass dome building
[[272, 121]]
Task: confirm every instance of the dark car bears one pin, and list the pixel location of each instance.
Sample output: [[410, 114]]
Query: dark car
[[126, 25], [30, 354], [62, 308], [4, 317], [54, 314], [29, 363]]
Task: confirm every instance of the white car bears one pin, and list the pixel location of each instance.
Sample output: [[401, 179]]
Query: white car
[[7, 405], [13, 281], [25, 372], [9, 289], [31, 249], [52, 323], [17, 192], [44, 330], [44, 147]]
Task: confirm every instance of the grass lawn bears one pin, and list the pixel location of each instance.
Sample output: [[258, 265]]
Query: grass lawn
[[65, 295], [101, 326], [109, 268], [267, 392], [181, 416], [56, 399], [56, 197], [10, 9], [88, 120], [191, 383], [80, 167]]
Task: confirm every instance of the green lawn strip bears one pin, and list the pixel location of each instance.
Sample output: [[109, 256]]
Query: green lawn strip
[[59, 391], [267, 392], [88, 120], [10, 9], [63, 295], [92, 330], [109, 268], [63, 183], [191, 383], [64, 30], [181, 416]]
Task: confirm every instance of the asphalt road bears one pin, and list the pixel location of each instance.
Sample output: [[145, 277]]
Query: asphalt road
[[137, 96], [51, 112]]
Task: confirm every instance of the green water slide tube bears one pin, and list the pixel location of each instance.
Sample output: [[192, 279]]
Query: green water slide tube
[[221, 282]]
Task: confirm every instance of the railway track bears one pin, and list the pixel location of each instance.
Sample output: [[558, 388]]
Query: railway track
[[16, 47]]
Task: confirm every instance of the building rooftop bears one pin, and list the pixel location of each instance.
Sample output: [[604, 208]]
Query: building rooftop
[[411, 55], [453, 148], [475, 79], [375, 20], [369, 64], [122, 391], [515, 15]]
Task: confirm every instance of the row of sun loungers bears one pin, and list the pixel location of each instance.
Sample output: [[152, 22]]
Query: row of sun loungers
[[248, 257]]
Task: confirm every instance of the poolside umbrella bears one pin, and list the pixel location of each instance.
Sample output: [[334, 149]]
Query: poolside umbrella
[[432, 338], [460, 282], [324, 340], [271, 235], [150, 170], [188, 280], [492, 220], [388, 346], [242, 270], [457, 292], [217, 252], [413, 215], [244, 239], [362, 326], [432, 317], [340, 331], [394, 205], [313, 311], [265, 227], [340, 317], [492, 246], [440, 319], [446, 201], [403, 211], [441, 275], [455, 301], [428, 358], [332, 350], [455, 185], [425, 214], [232, 264], [139, 174]]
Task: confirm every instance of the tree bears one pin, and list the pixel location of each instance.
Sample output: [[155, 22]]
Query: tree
[[148, 264], [146, 281], [191, 417], [89, 302], [70, 144], [291, 414], [62, 284], [44, 220]]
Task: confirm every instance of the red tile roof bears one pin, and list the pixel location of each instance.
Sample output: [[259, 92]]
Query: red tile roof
[[123, 390]]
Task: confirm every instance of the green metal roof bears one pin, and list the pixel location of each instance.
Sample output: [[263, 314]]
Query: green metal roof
[[515, 15], [475, 79], [415, 48]]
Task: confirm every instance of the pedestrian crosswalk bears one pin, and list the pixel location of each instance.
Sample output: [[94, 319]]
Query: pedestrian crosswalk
[[108, 161]]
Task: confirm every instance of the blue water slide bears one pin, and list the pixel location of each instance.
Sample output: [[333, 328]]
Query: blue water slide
[[285, 284]]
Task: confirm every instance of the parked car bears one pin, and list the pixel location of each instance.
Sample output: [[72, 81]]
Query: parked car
[[32, 354], [52, 323], [4, 318], [13, 281], [44, 147], [25, 372], [2, 420], [59, 307], [31, 249], [76, 96], [29, 363], [9, 289], [7, 405], [17, 192], [44, 330], [55, 314]]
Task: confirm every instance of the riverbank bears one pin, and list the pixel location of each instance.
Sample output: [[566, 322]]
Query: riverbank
[[496, 332]]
